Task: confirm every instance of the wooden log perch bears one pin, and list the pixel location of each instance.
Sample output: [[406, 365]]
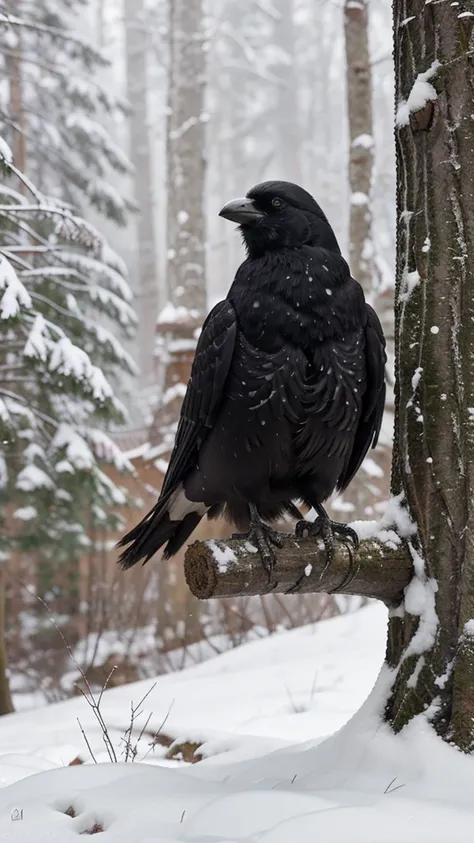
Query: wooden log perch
[[232, 568]]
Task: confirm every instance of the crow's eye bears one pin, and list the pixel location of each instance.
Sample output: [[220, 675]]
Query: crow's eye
[[277, 203]]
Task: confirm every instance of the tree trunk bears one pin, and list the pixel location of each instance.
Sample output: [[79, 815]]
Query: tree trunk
[[431, 646], [16, 110], [186, 243], [287, 104], [186, 235], [361, 249], [359, 108], [6, 704], [140, 154]]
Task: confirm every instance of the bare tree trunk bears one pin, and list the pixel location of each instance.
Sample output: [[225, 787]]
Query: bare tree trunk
[[186, 232], [186, 243], [6, 704], [16, 109], [186, 281], [434, 445], [140, 154], [287, 104], [359, 107], [361, 159]]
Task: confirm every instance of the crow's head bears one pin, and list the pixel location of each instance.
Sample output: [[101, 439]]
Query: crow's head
[[280, 215]]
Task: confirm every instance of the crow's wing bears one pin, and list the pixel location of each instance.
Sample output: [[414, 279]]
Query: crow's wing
[[343, 400], [205, 389], [332, 401], [373, 400]]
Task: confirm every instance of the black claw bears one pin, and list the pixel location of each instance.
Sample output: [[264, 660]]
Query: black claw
[[327, 529], [265, 540], [302, 529], [350, 573], [262, 540], [346, 532]]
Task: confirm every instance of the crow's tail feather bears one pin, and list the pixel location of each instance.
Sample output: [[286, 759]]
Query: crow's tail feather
[[155, 530]]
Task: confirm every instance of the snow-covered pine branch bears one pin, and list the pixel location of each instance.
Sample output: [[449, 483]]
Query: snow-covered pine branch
[[58, 370]]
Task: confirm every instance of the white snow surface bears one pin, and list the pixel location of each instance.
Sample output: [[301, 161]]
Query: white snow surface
[[410, 280], [224, 556], [421, 93], [172, 313], [15, 295], [268, 774], [37, 342], [364, 140], [359, 198], [25, 513], [70, 360], [31, 478], [5, 152]]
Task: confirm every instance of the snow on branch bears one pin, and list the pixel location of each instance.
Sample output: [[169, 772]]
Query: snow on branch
[[13, 294], [70, 360]]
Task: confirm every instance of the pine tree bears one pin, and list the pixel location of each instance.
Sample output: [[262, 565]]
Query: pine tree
[[59, 281], [64, 298], [53, 109]]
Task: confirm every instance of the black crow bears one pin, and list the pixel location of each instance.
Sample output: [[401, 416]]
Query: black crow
[[287, 387]]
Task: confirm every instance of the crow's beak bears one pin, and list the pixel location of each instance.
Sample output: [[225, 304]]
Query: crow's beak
[[242, 211]]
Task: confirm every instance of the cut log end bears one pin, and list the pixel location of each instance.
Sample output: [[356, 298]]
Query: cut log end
[[200, 570]]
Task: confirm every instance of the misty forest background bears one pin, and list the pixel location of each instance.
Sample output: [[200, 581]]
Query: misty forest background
[[125, 125]]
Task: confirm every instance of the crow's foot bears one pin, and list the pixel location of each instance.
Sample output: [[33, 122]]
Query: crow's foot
[[326, 529], [263, 538]]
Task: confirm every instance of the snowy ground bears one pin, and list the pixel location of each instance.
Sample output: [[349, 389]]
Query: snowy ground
[[263, 711]]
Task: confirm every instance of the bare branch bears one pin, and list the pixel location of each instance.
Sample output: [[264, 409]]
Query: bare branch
[[86, 739], [232, 568]]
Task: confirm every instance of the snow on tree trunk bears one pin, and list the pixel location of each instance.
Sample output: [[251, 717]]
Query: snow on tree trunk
[[140, 155], [359, 106], [431, 646]]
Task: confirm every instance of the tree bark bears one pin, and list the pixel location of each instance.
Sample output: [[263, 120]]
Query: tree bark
[[186, 243], [6, 704], [434, 438], [186, 236], [136, 42], [359, 108], [287, 112], [361, 247], [185, 156], [232, 568], [16, 111]]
